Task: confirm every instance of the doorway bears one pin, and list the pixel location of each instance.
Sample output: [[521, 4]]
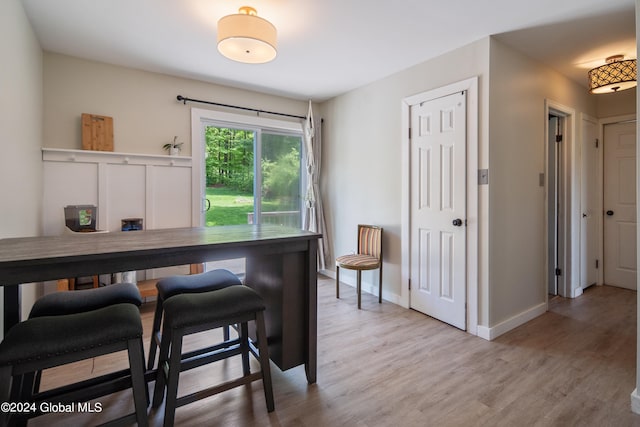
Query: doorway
[[555, 201], [562, 203]]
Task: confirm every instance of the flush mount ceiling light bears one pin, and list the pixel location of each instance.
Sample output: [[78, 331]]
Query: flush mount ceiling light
[[616, 75], [245, 37]]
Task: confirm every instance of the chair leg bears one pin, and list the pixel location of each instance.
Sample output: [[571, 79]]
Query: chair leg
[[264, 361], [155, 329], [17, 389], [380, 286], [171, 401], [36, 381], [161, 375], [244, 348], [337, 282], [138, 384], [359, 286], [28, 385], [5, 392]]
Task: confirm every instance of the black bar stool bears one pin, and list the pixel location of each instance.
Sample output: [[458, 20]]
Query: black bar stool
[[191, 313], [48, 341], [61, 303], [176, 285]]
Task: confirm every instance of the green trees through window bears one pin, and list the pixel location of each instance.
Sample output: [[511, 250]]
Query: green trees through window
[[229, 158], [230, 176]]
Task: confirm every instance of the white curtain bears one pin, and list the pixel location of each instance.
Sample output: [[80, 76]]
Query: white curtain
[[313, 219]]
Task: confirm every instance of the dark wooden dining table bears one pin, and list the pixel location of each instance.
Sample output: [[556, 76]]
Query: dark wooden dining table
[[280, 265]]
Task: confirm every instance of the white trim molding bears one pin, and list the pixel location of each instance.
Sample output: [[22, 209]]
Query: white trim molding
[[112, 157], [491, 333], [570, 182], [635, 402]]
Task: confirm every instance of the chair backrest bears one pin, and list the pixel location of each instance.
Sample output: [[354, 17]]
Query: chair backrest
[[370, 240]]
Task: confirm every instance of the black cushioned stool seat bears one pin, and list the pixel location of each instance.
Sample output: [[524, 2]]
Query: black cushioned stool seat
[[59, 303], [191, 313], [176, 285], [48, 341]]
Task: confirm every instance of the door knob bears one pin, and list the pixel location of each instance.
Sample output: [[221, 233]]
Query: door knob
[[610, 213], [457, 222]]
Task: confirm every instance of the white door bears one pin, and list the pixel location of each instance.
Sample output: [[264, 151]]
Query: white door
[[589, 262], [438, 208], [620, 205]]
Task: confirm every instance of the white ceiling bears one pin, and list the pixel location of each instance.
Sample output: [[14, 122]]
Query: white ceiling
[[328, 47]]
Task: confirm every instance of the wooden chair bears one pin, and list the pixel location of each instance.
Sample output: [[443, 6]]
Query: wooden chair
[[369, 257]]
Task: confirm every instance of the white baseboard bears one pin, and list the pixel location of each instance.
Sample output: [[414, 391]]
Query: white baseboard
[[328, 273], [635, 402], [491, 333], [366, 286], [484, 332], [576, 292]]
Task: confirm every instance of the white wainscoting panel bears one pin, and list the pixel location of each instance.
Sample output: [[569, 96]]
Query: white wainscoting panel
[[122, 185]]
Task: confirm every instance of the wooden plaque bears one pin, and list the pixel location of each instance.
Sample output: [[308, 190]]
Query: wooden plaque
[[97, 132]]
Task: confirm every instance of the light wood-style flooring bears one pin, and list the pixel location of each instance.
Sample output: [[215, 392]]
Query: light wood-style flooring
[[388, 366]]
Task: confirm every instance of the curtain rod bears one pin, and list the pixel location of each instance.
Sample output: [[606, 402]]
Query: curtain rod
[[185, 100]]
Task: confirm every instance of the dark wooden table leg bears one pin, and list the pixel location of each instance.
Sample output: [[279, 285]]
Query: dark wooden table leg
[[11, 306], [312, 312]]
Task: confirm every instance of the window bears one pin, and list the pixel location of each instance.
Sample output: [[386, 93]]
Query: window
[[247, 170]]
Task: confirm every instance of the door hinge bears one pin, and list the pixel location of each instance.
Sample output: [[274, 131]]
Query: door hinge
[[483, 176], [558, 272], [597, 263], [409, 284], [597, 142], [409, 133], [558, 138]]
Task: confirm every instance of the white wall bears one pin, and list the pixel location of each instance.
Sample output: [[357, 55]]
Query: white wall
[[616, 104], [20, 128], [362, 164], [146, 116], [362, 155], [518, 89], [143, 105]]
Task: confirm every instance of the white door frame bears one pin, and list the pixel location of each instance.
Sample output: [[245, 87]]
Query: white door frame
[[471, 86], [569, 285]]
